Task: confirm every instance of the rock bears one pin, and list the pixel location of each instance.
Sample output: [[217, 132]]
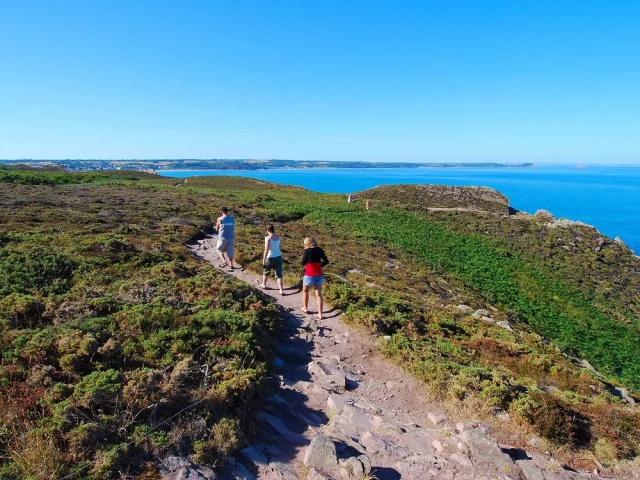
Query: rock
[[254, 455], [327, 376], [336, 402], [437, 444], [366, 463], [387, 429], [314, 474], [588, 366], [500, 413], [179, 468], [530, 470], [535, 442], [544, 215], [465, 308], [463, 447], [367, 407], [373, 443], [626, 397], [283, 430], [292, 353], [387, 337], [279, 402], [240, 472], [619, 241], [321, 453], [357, 417], [172, 463], [504, 324], [462, 459], [481, 313], [622, 394], [566, 223], [340, 428], [281, 471], [486, 449], [378, 445], [352, 469], [321, 394], [437, 418], [203, 473], [601, 242]]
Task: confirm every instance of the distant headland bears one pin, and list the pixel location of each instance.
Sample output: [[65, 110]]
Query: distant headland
[[240, 164]]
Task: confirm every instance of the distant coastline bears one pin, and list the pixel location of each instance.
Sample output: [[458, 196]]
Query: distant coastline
[[241, 164]]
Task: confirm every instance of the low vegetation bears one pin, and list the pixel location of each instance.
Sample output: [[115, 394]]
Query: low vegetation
[[117, 346], [109, 327]]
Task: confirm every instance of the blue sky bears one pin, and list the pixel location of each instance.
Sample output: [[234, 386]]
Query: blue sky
[[446, 80]]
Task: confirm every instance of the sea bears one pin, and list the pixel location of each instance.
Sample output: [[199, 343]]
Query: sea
[[605, 197]]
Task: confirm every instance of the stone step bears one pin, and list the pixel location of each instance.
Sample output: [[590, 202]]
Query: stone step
[[282, 428]]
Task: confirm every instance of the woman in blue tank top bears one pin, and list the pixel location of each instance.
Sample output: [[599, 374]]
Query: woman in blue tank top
[[272, 258]]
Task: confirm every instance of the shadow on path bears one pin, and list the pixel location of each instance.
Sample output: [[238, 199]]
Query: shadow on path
[[289, 417]]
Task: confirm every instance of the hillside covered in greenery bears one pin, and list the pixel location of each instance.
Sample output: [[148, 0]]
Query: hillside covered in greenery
[[109, 329]]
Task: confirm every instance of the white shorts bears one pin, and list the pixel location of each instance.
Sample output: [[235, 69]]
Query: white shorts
[[225, 246]]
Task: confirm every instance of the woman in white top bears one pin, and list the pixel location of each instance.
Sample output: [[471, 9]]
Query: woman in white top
[[272, 258]]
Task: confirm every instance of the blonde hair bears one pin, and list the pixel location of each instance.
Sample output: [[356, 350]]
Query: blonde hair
[[310, 242]]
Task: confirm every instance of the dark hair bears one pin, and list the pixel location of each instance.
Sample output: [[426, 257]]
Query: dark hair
[[224, 210], [271, 229]]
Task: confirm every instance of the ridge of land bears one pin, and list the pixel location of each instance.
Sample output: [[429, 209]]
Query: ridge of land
[[241, 164], [118, 348], [331, 381]]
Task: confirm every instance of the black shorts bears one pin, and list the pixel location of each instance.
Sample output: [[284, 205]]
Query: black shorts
[[273, 263]]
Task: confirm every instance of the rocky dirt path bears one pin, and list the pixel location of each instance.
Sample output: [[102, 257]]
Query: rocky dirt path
[[340, 410]]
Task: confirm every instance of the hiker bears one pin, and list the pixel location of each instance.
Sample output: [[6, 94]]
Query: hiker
[[313, 260], [350, 198], [225, 225], [368, 205], [272, 258]]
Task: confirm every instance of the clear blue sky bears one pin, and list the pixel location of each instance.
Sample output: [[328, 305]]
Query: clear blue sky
[[446, 80]]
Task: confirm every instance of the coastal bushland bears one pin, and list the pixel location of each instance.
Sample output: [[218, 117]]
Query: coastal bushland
[[117, 347], [109, 327]]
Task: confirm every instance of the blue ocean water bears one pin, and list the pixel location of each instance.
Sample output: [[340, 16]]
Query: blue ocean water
[[606, 197]]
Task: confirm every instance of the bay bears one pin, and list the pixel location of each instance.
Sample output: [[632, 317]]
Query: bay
[[606, 197]]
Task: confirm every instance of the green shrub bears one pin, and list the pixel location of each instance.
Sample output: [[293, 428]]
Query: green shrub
[[22, 311], [549, 417], [223, 439], [98, 389], [35, 269]]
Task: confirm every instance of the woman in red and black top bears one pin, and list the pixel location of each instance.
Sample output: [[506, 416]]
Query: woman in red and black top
[[313, 260]]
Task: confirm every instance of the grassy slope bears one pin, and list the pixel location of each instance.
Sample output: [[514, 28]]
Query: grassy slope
[[109, 327], [524, 289], [444, 259], [402, 273]]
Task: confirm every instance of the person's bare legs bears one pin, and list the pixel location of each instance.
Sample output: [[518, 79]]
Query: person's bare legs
[[305, 298], [223, 257], [264, 281], [318, 289], [280, 285]]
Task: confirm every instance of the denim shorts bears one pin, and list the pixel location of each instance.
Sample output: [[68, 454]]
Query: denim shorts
[[315, 280], [273, 263]]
